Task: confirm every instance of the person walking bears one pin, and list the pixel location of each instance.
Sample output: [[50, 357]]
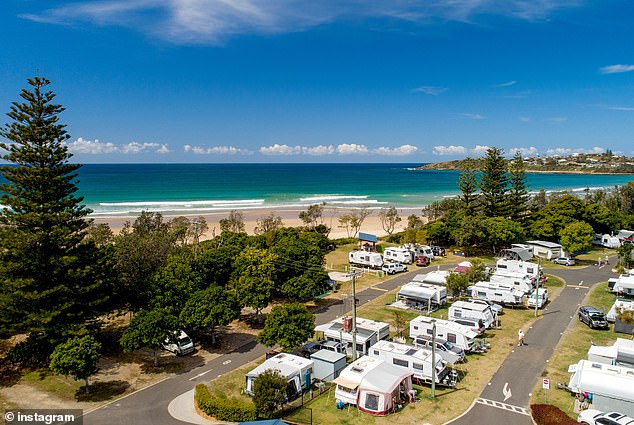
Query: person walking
[[520, 338]]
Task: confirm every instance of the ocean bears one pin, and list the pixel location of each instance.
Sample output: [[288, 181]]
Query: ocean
[[112, 190]]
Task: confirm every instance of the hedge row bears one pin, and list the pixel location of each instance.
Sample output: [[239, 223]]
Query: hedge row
[[232, 410], [546, 414]]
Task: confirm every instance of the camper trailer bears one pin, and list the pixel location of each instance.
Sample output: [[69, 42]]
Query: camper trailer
[[423, 296], [398, 255], [523, 267], [621, 353], [457, 334], [373, 260], [436, 277], [297, 370], [373, 385], [416, 360], [496, 292], [476, 311], [417, 250], [624, 285], [449, 352], [612, 387], [606, 240], [368, 333], [520, 281]]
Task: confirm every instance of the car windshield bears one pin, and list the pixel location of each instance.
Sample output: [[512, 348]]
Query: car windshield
[[184, 341], [448, 345], [597, 316]]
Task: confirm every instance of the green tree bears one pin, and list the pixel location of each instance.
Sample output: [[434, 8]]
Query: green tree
[[77, 357], [100, 234], [149, 328], [209, 308], [49, 282], [501, 232], [297, 252], [172, 285], [288, 325], [625, 255], [468, 185], [493, 183], [389, 219], [268, 224], [576, 237], [233, 223], [254, 270], [457, 283], [471, 232], [551, 219], [517, 198], [269, 392], [306, 286], [313, 216], [477, 271], [141, 248]]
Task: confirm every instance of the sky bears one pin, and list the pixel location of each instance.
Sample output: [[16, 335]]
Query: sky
[[404, 81]]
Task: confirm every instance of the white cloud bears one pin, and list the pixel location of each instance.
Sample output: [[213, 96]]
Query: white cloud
[[163, 149], [557, 119], [507, 84], [531, 151], [525, 119], [319, 150], [616, 69], [402, 150], [449, 150], [277, 149], [351, 148], [136, 147], [472, 116], [94, 147], [480, 149], [215, 150], [212, 21], [430, 90], [620, 108], [569, 151]]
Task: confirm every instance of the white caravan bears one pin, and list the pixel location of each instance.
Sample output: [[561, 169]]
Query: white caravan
[[373, 260], [417, 250], [416, 360], [476, 311], [436, 277], [624, 285], [612, 387], [621, 353], [459, 335], [297, 370], [368, 332], [423, 295], [496, 292], [606, 240], [619, 306], [523, 267], [398, 255], [520, 281]]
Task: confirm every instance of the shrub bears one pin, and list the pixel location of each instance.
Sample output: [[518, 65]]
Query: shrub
[[231, 409], [546, 414]]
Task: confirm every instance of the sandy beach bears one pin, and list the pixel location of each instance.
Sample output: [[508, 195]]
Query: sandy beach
[[290, 218]]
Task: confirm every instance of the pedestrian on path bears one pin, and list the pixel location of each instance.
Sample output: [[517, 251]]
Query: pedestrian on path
[[520, 338]]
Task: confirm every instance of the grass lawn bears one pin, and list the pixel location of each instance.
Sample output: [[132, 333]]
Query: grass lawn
[[573, 347]]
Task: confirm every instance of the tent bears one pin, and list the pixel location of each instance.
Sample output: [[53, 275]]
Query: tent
[[382, 388]]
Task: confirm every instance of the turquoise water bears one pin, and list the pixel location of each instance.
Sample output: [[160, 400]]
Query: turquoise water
[[124, 189]]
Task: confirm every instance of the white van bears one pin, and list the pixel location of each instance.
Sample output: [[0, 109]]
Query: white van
[[457, 334], [470, 310], [180, 344], [399, 255]]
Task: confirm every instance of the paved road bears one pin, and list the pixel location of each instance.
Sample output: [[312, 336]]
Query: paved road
[[520, 370]]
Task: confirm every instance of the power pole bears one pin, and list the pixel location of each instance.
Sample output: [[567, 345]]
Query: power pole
[[354, 317], [433, 359], [539, 262]]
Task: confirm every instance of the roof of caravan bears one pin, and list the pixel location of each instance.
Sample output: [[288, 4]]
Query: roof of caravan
[[603, 379], [287, 364], [364, 326], [625, 346], [545, 244], [471, 306], [508, 273], [439, 276], [419, 289], [327, 356], [354, 373], [385, 378], [402, 349]]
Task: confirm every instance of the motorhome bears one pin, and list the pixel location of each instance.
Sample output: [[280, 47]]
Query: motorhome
[[523, 267], [449, 352], [436, 277], [416, 250], [398, 255], [423, 296], [368, 333], [469, 310], [624, 285], [606, 240], [621, 353], [416, 360], [297, 370], [520, 281], [496, 292], [457, 334], [612, 387], [373, 260]]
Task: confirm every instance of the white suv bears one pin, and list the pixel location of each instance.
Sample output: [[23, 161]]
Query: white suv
[[596, 417], [391, 268]]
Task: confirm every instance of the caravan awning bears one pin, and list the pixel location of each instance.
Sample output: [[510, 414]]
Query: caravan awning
[[345, 382]]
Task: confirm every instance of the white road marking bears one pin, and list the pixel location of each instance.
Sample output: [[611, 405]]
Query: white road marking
[[503, 406], [226, 362], [200, 374], [506, 391]]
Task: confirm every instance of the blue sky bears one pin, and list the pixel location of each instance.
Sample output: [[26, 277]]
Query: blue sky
[[327, 81]]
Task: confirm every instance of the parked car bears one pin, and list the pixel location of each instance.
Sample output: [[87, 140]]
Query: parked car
[[564, 261], [496, 308], [391, 268], [180, 343], [446, 350], [307, 349], [422, 261], [592, 317], [539, 297], [438, 250], [596, 417], [337, 347]]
